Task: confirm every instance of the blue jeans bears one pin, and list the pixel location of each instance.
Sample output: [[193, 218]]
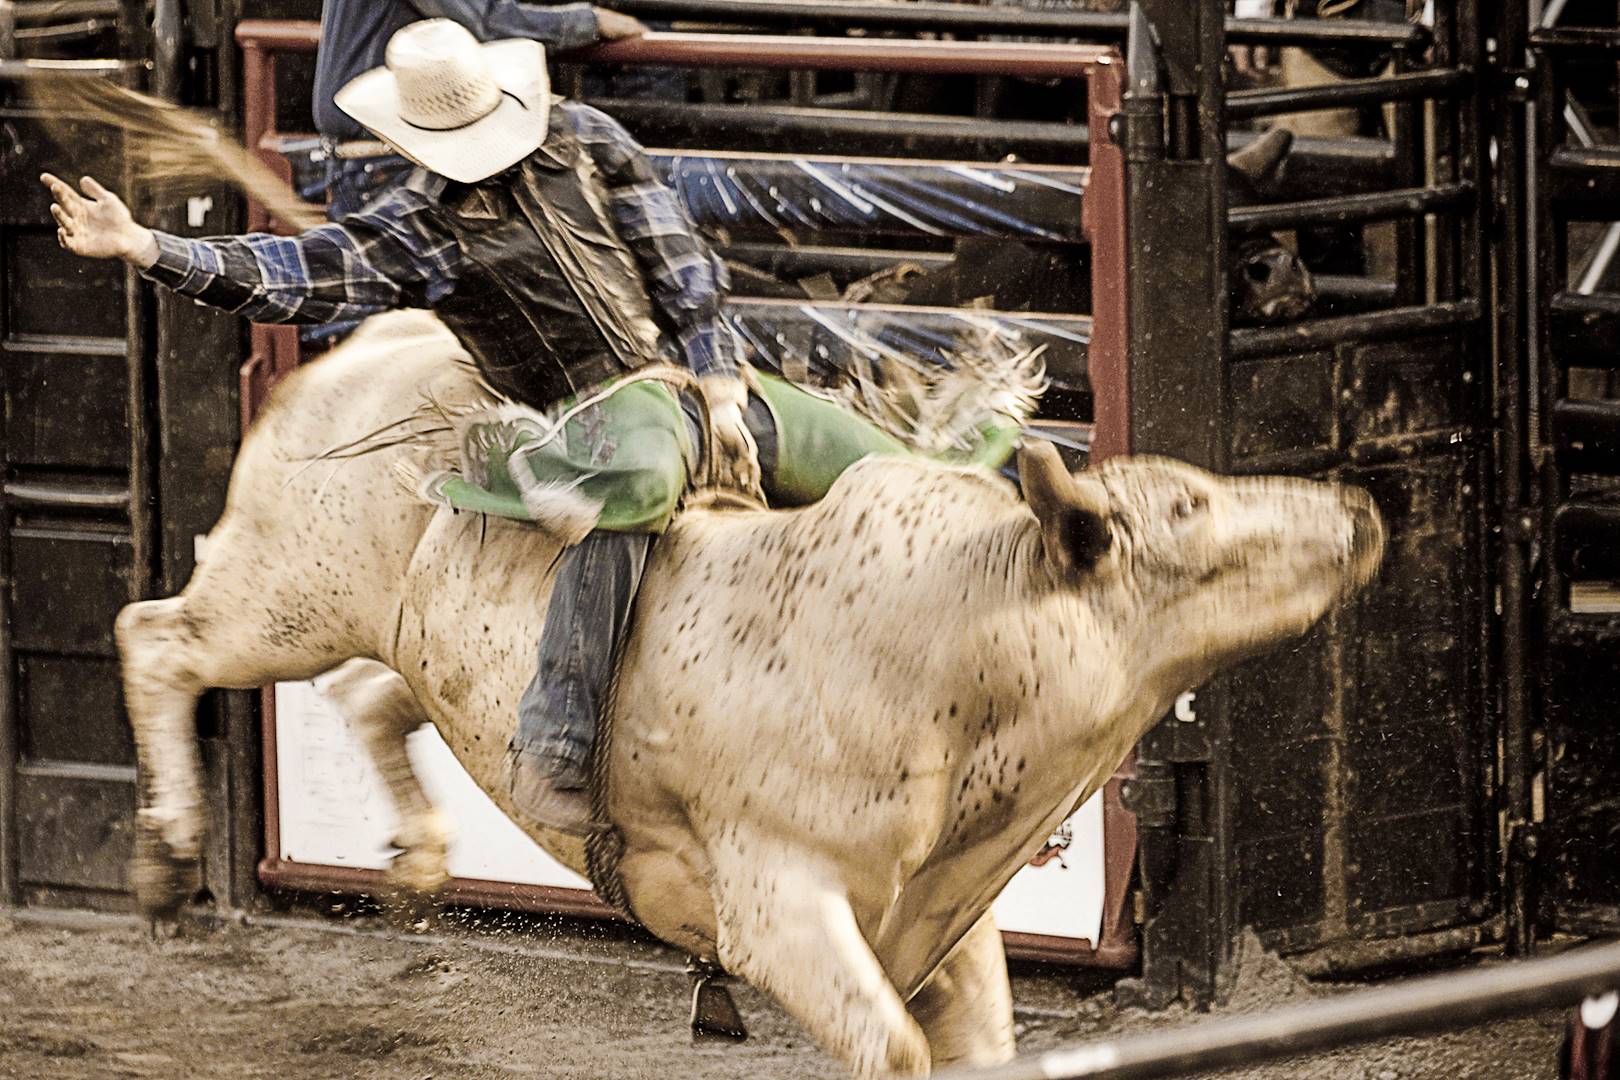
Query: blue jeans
[[592, 600]]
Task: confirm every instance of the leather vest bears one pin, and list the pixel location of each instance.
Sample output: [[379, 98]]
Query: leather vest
[[549, 300]]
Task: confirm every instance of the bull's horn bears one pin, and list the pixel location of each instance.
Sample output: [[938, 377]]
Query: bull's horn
[[1260, 160], [1073, 512]]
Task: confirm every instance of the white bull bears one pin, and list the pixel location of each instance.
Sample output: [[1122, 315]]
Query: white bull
[[839, 730]]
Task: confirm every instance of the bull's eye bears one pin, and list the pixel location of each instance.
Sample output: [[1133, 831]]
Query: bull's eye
[[1186, 506]]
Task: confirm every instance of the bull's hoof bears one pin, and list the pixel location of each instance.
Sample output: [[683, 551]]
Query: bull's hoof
[[161, 880]]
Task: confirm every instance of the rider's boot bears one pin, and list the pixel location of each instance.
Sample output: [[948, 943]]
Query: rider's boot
[[557, 717]]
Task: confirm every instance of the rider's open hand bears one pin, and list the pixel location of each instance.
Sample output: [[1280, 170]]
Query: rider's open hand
[[736, 455], [97, 224], [611, 26]]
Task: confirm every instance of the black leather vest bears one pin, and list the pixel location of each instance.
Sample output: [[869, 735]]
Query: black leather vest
[[549, 300]]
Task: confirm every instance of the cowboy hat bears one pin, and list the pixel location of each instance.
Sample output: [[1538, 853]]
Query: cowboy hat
[[461, 109]]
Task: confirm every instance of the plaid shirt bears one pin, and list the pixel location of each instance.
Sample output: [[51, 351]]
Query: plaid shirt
[[395, 253]]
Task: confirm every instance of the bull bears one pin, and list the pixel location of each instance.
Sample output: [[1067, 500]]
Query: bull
[[839, 730]]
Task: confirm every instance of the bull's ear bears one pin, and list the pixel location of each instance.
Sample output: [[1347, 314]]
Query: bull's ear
[[1073, 513], [1260, 161]]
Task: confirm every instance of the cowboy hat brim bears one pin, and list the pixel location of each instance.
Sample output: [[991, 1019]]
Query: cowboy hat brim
[[496, 141]]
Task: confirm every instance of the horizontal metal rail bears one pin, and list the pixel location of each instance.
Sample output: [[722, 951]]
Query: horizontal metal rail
[[40, 12], [1401, 322], [853, 54], [1584, 329], [1247, 104], [1000, 137], [966, 18], [64, 496], [1586, 436], [32, 69], [1343, 209], [1577, 39], [759, 51], [65, 31], [1585, 181], [1438, 1003]]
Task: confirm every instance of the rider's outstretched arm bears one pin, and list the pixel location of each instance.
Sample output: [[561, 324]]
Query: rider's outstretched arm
[[386, 256]]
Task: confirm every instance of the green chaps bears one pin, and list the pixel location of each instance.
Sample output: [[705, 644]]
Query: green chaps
[[632, 452]]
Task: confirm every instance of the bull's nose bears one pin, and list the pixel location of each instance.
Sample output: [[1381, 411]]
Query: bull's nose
[[1367, 533]]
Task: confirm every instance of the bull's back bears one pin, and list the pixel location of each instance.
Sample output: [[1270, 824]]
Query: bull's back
[[312, 527]]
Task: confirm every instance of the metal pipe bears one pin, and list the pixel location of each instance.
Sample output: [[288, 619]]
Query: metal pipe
[[63, 497], [940, 135], [1342, 209], [851, 54], [840, 14], [967, 18], [1441, 1002], [167, 49], [1577, 39], [1246, 104], [1246, 344], [34, 69], [40, 12]]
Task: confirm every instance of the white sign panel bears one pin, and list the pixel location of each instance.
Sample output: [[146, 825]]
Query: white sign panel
[[335, 811]]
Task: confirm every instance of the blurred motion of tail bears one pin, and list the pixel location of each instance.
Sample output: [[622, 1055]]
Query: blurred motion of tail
[[169, 146]]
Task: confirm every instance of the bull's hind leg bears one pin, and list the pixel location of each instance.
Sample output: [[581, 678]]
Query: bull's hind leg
[[791, 932], [965, 1007], [243, 621], [384, 711]]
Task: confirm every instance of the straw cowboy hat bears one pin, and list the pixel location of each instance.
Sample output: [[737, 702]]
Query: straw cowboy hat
[[463, 110]]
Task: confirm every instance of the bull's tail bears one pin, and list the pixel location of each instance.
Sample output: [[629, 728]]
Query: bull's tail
[[171, 147], [941, 410]]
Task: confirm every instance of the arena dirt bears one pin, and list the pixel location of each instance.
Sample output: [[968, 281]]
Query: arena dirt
[[93, 998]]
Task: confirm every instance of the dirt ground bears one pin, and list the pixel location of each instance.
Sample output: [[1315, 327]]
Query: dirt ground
[[85, 997]]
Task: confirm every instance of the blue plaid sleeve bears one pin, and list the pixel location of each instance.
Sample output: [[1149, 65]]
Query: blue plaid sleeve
[[389, 255], [687, 281]]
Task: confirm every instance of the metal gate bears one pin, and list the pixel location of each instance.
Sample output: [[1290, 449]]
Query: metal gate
[[116, 437], [1567, 825], [1338, 797]]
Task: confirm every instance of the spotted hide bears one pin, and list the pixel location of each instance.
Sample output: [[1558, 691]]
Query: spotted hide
[[840, 730]]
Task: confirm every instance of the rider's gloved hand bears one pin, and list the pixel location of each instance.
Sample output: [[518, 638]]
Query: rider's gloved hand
[[97, 224], [737, 457]]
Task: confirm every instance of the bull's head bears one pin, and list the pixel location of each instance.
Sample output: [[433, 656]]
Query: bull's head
[[1197, 570], [1269, 283]]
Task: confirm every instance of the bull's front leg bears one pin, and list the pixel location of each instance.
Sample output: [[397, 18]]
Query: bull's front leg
[[785, 924], [377, 701], [965, 1006]]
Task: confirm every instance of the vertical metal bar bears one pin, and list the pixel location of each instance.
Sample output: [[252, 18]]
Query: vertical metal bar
[[10, 889], [1107, 358], [1516, 265], [8, 30], [1406, 133], [1464, 270], [1178, 322], [167, 49]]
